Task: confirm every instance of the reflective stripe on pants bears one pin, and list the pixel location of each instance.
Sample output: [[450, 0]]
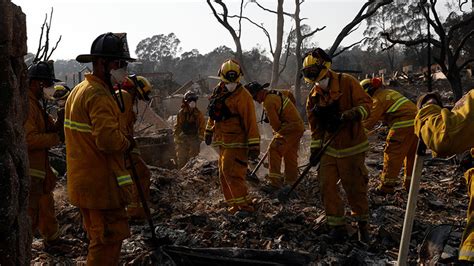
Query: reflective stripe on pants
[[232, 171], [286, 148]]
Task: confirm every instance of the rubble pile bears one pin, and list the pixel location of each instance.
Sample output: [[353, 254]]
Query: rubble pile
[[189, 211]]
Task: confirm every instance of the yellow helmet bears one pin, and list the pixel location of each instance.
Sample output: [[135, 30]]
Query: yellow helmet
[[230, 71], [371, 85], [366, 84], [61, 92], [316, 64], [144, 88]]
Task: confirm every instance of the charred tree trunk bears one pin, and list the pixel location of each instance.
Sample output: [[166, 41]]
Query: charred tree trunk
[[454, 78], [15, 232], [278, 47]]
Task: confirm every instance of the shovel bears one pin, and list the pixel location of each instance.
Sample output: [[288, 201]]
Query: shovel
[[411, 203], [154, 241], [285, 193], [251, 176]]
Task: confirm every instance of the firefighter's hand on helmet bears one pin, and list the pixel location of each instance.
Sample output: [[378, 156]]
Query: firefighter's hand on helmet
[[352, 114], [253, 155], [314, 158], [429, 98], [208, 138]]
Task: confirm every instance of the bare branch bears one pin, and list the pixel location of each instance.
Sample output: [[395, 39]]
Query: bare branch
[[40, 46], [388, 47], [461, 4], [348, 47], [361, 15], [54, 48], [259, 26], [223, 20], [240, 18], [269, 10], [313, 32], [411, 42], [459, 25]]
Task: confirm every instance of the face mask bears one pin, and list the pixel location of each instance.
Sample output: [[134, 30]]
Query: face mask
[[118, 76], [231, 86], [192, 105], [324, 83]]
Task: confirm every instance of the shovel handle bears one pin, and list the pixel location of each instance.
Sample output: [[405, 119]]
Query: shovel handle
[[411, 204], [309, 165], [136, 180], [259, 163]]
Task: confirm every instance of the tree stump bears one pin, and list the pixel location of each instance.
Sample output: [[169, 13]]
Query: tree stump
[[15, 232]]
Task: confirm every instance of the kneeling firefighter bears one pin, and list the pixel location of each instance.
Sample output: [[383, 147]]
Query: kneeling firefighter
[[288, 128], [398, 112], [189, 129], [336, 105], [135, 88], [233, 127]]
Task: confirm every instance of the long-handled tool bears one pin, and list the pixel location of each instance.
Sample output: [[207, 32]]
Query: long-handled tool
[[141, 194], [285, 193], [252, 176], [411, 204]]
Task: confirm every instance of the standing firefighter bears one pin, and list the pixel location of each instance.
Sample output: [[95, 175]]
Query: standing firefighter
[[41, 134], [446, 133], [98, 182], [189, 129], [336, 105], [288, 128], [135, 88], [398, 113], [233, 125]]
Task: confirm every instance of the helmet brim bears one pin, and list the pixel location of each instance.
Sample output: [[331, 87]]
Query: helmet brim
[[88, 58]]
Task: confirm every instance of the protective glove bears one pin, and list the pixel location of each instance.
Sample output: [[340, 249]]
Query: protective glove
[[314, 158], [253, 155], [208, 138], [429, 98], [352, 114]]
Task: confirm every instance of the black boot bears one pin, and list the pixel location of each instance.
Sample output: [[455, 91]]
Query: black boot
[[338, 233], [363, 232]]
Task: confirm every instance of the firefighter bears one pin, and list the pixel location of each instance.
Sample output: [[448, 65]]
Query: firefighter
[[398, 113], [232, 126], [189, 129], [42, 133], [336, 105], [135, 88], [98, 182], [446, 133], [288, 128], [61, 92]]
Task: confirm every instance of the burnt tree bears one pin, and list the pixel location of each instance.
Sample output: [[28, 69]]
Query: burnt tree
[[15, 232]]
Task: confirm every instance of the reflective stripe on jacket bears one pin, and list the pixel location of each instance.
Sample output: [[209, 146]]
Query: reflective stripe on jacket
[[351, 139], [38, 139], [393, 108], [240, 130], [95, 147]]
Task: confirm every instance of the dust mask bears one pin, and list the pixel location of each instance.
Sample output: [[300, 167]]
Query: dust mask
[[192, 105], [231, 86], [324, 83], [118, 76]]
